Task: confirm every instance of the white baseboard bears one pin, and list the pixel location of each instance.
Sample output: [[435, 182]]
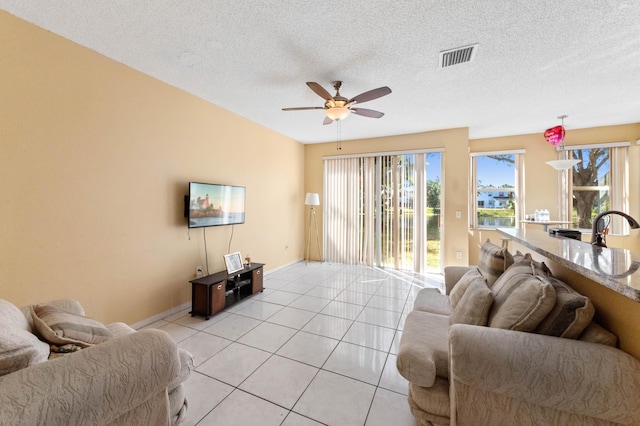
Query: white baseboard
[[284, 266], [161, 315]]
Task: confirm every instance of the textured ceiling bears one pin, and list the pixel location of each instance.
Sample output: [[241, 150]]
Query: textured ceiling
[[535, 60]]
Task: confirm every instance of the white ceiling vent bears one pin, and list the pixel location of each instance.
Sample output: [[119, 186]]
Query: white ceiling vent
[[459, 55]]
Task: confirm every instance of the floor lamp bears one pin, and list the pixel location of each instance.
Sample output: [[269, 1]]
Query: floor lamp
[[313, 200]]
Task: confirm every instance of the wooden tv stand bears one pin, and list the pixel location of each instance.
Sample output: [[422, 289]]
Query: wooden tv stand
[[213, 293]]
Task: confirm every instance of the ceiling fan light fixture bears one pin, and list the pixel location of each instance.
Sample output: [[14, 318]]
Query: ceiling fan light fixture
[[338, 113]]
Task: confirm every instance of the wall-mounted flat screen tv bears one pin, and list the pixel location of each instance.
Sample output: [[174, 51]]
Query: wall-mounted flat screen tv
[[213, 205]]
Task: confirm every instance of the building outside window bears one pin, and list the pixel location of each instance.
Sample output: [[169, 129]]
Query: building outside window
[[495, 189]]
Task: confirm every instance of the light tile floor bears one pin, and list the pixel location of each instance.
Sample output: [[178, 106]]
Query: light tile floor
[[318, 346]]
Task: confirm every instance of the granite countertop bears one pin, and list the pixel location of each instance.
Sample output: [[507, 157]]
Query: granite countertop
[[614, 268]]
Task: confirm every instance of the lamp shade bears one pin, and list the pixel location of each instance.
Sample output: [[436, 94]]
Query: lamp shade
[[562, 164], [312, 199], [338, 113]]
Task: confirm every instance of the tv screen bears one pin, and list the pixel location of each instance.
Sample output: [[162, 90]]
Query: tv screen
[[214, 205]]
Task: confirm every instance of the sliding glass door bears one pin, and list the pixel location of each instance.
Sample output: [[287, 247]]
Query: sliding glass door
[[384, 211]]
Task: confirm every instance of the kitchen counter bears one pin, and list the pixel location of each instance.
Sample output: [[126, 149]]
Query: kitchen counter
[[614, 268]]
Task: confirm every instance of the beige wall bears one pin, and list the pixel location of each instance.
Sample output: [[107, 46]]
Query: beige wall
[[94, 163], [454, 179]]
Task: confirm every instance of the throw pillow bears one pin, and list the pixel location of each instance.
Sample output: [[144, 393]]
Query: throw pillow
[[541, 266], [461, 286], [59, 327], [570, 315], [19, 349], [521, 299], [474, 306], [493, 261]]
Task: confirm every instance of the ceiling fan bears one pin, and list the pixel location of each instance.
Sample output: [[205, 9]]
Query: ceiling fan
[[338, 107]]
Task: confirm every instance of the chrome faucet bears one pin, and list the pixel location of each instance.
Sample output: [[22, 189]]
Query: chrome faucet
[[597, 235]]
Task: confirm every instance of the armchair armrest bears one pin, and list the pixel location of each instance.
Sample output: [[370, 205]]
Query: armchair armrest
[[578, 378], [97, 385]]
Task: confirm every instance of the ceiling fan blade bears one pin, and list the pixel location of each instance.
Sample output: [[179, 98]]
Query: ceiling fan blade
[[327, 120], [370, 95], [367, 112], [300, 108], [320, 91]]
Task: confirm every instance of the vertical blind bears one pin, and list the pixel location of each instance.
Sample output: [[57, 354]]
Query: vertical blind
[[370, 210], [343, 188]]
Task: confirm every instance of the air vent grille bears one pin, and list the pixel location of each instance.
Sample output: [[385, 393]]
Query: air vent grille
[[456, 56]]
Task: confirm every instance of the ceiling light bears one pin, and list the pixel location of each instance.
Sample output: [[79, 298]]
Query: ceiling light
[[338, 113]]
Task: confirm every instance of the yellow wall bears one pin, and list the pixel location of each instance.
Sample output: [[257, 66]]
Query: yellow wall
[[95, 159], [455, 176]]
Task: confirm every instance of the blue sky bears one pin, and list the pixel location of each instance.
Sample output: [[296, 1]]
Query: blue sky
[[495, 173], [490, 171], [434, 170]]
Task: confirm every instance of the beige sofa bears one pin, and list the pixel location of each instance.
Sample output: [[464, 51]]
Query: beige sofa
[[483, 359], [131, 378]]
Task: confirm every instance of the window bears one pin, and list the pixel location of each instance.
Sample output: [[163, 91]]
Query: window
[[599, 182], [496, 188]]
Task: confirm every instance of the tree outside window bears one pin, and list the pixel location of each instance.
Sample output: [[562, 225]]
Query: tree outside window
[[591, 185]]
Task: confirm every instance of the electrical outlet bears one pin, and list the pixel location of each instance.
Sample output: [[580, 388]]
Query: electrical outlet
[[458, 255], [458, 214], [199, 272]]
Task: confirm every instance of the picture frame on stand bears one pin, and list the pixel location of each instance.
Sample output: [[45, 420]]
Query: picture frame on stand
[[233, 262]]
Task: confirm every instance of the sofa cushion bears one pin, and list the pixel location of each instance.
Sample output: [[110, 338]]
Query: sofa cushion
[[461, 286], [570, 315], [424, 348], [431, 404], [474, 306], [493, 261], [60, 327], [431, 300], [521, 299], [595, 333], [19, 349], [452, 275]]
